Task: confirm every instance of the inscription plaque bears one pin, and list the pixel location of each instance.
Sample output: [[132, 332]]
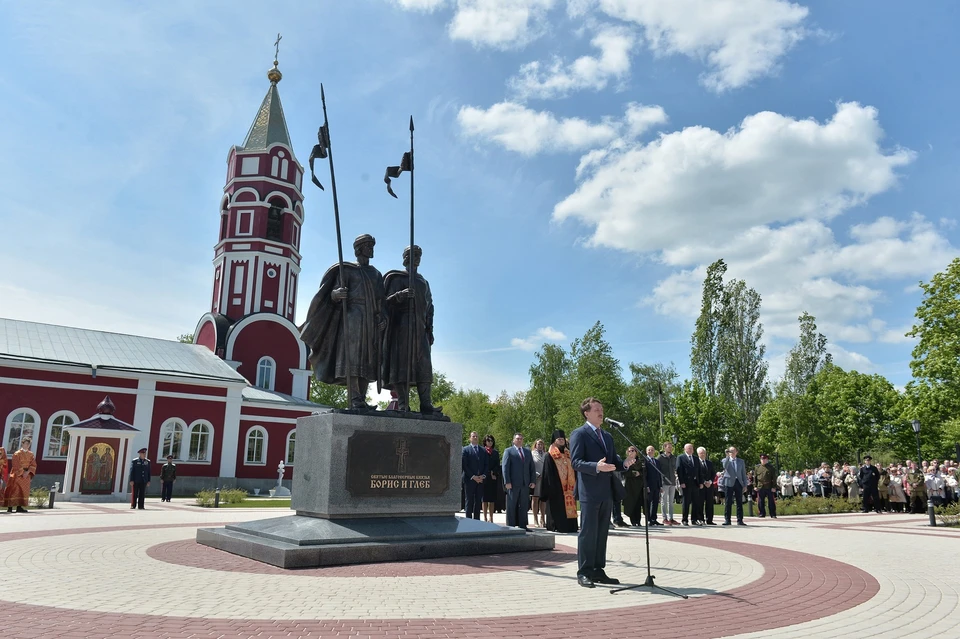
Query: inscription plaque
[[397, 464]]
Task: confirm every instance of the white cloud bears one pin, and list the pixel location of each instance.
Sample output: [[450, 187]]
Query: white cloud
[[738, 40], [699, 185], [501, 24], [850, 360], [545, 334], [640, 118], [558, 79], [897, 335], [421, 5], [517, 128]]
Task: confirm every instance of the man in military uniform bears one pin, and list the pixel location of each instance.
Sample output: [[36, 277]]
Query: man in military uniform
[[918, 489], [765, 476], [361, 297], [139, 478], [868, 479], [406, 320], [168, 475]]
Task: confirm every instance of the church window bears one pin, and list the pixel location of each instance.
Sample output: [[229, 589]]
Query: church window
[[171, 439], [283, 169], [296, 235], [275, 223], [58, 439], [256, 446], [21, 423], [291, 443], [266, 370], [201, 438], [274, 165]]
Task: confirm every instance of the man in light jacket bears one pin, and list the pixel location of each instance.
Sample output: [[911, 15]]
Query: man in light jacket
[[734, 484]]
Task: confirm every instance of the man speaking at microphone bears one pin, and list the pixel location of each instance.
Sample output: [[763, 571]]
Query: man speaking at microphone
[[590, 448]]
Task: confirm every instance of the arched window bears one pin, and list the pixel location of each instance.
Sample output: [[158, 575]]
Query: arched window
[[275, 222], [21, 423], [58, 439], [201, 442], [266, 369], [171, 439], [291, 443], [256, 451]]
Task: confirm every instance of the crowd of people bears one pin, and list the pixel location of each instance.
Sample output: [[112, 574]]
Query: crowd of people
[[663, 485]]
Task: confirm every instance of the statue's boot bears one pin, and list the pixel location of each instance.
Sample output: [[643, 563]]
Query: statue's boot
[[426, 405]]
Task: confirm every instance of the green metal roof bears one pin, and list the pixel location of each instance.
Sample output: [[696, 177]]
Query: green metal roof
[[270, 126]]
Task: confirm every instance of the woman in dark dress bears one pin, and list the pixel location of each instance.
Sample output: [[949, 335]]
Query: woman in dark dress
[[492, 481], [635, 485], [557, 487]]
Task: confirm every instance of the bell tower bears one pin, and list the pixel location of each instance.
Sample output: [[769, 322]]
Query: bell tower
[[256, 265], [256, 262]]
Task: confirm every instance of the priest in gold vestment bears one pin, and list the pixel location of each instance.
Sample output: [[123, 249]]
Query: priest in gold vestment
[[23, 466]]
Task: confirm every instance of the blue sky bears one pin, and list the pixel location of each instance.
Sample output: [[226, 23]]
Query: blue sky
[[577, 161]]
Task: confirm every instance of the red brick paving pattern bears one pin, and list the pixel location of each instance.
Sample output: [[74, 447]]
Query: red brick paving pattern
[[187, 552], [826, 586]]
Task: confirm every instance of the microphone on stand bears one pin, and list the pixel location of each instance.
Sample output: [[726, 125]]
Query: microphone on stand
[[613, 422]]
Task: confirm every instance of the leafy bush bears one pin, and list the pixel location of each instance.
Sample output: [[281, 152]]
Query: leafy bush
[[815, 506], [233, 496], [949, 515], [205, 498], [40, 497]]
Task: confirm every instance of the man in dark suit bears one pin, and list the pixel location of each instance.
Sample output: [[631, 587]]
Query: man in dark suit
[[475, 465], [868, 478], [690, 479], [733, 483], [590, 450], [654, 484], [706, 488], [139, 478], [519, 477]]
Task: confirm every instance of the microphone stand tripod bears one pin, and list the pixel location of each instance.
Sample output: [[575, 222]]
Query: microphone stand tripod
[[646, 532]]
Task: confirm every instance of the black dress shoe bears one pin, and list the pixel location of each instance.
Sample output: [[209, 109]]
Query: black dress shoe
[[741, 523], [601, 577], [710, 523], [686, 524], [21, 509], [726, 523], [585, 581], [525, 529]]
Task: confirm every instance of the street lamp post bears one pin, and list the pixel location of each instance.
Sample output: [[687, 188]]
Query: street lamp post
[[916, 430]]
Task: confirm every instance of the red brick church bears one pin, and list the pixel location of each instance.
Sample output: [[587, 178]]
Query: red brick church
[[225, 406]]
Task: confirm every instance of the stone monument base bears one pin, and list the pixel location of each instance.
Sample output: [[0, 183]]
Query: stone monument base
[[297, 541]]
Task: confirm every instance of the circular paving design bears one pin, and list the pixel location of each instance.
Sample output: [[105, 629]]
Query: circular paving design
[[734, 587]]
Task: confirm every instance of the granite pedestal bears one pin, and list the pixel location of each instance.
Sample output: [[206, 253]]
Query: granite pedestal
[[369, 488]]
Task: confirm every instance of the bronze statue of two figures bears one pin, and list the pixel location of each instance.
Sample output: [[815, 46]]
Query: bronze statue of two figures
[[373, 342]]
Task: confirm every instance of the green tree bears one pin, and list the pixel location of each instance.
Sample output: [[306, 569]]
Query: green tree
[[705, 355], [186, 338], [808, 357], [704, 419], [935, 389], [548, 374], [642, 396], [743, 374], [441, 390], [328, 394], [510, 418], [473, 409], [594, 372]]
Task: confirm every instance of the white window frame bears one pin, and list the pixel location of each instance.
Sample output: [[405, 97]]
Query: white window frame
[[266, 359], [263, 450], [208, 452], [34, 434], [184, 437], [291, 439], [50, 427], [245, 216]]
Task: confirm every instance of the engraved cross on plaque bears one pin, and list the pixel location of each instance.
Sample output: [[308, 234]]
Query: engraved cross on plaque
[[402, 452]]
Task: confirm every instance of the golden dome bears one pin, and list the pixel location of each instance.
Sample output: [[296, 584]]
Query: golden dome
[[274, 74]]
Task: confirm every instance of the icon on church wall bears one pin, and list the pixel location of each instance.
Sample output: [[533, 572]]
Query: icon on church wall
[[98, 469]]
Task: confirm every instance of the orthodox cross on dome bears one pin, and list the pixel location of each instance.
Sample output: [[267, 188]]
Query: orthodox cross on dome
[[276, 48], [274, 74]]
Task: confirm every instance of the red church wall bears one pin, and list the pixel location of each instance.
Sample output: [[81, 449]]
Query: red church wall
[[276, 450], [192, 389], [49, 400], [207, 336], [266, 338], [189, 411]]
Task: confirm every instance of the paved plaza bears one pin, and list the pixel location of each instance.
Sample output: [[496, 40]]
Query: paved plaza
[[102, 570]]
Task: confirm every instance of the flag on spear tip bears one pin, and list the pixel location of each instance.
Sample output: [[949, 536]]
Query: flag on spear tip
[[406, 164], [319, 151]]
